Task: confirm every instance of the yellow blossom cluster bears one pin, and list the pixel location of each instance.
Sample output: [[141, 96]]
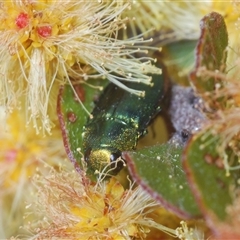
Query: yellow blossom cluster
[[44, 43], [74, 208], [22, 153]]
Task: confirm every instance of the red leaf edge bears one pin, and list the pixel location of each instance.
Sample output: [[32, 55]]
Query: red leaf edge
[[133, 172], [65, 132], [209, 216]]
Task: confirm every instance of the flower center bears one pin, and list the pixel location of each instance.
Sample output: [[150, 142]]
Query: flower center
[[22, 20], [44, 31]]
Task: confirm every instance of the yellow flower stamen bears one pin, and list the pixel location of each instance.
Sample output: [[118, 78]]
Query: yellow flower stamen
[[43, 42], [76, 209]]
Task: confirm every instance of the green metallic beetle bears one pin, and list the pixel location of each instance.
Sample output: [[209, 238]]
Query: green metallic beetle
[[119, 120]]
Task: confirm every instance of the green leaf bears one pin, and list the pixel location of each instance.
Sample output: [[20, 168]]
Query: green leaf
[[211, 52], [73, 117], [207, 176], [158, 169], [179, 58]]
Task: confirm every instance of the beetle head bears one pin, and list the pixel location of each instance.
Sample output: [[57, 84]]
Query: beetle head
[[108, 160]]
